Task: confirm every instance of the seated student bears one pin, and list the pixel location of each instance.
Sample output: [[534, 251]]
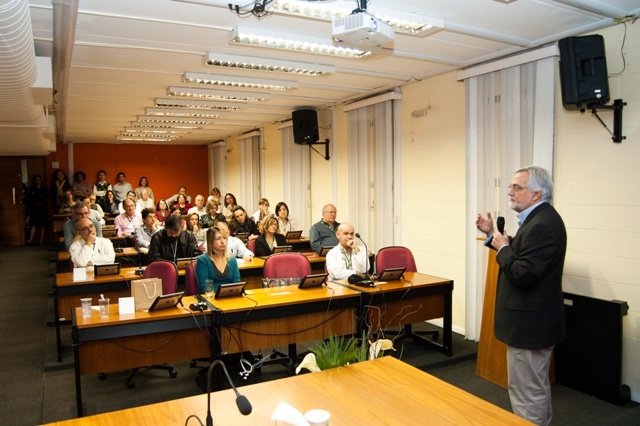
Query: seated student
[[217, 263], [199, 208], [110, 204], [215, 196], [285, 222], [269, 237], [235, 246], [323, 232], [162, 211], [212, 217], [89, 249], [93, 214], [80, 187], [67, 203], [262, 212], [193, 226], [243, 224], [172, 243], [127, 222], [100, 189], [347, 258], [149, 227], [143, 183], [93, 205], [230, 203], [182, 204], [145, 202], [80, 211], [181, 191], [175, 211], [130, 196]]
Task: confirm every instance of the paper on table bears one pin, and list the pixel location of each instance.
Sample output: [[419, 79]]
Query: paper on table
[[288, 414]]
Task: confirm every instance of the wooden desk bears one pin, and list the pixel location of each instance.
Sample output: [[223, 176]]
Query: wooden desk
[[136, 340], [418, 297], [384, 391]]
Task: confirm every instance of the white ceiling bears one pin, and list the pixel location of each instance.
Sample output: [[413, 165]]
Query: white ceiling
[[126, 53]]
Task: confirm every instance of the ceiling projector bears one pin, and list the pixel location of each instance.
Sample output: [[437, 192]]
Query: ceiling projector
[[361, 30]]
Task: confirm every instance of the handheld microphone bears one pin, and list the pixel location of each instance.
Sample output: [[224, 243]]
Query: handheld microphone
[[500, 223], [244, 406]]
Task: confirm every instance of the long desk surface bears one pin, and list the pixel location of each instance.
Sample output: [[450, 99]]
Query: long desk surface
[[384, 391]]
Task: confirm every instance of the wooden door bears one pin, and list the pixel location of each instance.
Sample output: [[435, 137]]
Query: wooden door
[[11, 208]]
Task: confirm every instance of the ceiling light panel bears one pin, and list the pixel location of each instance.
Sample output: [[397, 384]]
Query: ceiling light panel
[[155, 131], [294, 43], [177, 112], [233, 81], [165, 126], [226, 60], [172, 120], [143, 139], [225, 95], [192, 103]]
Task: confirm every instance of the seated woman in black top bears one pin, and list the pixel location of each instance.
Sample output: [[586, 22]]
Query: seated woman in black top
[[269, 238], [241, 223]]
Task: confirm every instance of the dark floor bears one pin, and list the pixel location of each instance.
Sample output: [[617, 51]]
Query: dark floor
[[38, 389]]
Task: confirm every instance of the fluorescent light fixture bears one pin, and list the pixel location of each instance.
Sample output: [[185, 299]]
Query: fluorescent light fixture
[[150, 136], [225, 95], [178, 112], [143, 139], [404, 22], [191, 103], [266, 64], [155, 130], [295, 43], [234, 81], [164, 126], [172, 120]]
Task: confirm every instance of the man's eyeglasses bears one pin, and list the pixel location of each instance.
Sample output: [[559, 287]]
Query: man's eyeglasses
[[515, 187]]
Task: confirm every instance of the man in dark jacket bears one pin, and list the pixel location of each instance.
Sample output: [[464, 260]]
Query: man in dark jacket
[[529, 313], [172, 243]]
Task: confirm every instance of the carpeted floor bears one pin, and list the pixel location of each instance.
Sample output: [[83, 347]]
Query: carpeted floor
[[38, 389]]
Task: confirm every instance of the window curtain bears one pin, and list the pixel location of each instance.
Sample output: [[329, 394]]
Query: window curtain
[[249, 157], [218, 166], [510, 124], [296, 179], [371, 177]]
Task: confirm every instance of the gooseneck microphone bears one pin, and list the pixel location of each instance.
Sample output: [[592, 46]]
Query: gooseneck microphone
[[366, 250], [244, 406], [500, 223]]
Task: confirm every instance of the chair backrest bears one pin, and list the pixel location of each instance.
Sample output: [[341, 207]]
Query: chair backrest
[[395, 257], [286, 265], [167, 271], [251, 245], [191, 280]]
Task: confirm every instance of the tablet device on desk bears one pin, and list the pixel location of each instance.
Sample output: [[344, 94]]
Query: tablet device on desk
[[183, 262], [166, 301], [282, 249], [293, 235], [244, 236], [106, 269], [315, 280], [324, 251], [109, 232], [230, 290], [391, 274]]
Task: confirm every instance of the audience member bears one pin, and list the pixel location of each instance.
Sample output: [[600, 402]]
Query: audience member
[[131, 196], [80, 187], [162, 211], [199, 208], [212, 217], [93, 205], [235, 246], [144, 184], [346, 258], [262, 212], [67, 203], [93, 214], [285, 223], [37, 201], [171, 243], [59, 184], [149, 227], [230, 203], [80, 211], [100, 188], [217, 263], [175, 211], [110, 204], [181, 191], [323, 232], [182, 204], [90, 249], [242, 224], [269, 237], [215, 196], [121, 188], [144, 201], [127, 222], [193, 226]]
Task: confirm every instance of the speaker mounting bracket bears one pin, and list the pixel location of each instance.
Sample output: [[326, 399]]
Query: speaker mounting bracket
[[326, 148], [617, 107]]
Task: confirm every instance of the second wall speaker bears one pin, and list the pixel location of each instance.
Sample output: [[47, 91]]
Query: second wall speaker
[[305, 126]]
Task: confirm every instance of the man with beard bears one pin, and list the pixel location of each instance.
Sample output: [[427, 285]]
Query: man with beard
[[172, 243]]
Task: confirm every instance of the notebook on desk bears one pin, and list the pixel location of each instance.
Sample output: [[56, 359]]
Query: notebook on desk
[[230, 290], [106, 269], [166, 301], [293, 235]]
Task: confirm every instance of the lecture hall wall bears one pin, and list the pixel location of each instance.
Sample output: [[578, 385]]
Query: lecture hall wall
[[166, 167]]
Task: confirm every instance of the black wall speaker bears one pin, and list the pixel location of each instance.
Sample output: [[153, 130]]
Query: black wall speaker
[[583, 72], [305, 126]]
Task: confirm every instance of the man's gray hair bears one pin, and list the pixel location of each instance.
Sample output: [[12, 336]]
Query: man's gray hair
[[539, 181]]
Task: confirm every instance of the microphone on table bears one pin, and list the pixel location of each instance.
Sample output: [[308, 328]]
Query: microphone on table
[[244, 406], [500, 223]]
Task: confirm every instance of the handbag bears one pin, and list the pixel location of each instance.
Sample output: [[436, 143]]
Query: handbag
[[145, 292]]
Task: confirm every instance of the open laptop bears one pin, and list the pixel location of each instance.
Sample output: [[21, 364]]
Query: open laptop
[[282, 249], [166, 301], [324, 251], [293, 235], [315, 280], [183, 262], [106, 269], [230, 290], [391, 274]]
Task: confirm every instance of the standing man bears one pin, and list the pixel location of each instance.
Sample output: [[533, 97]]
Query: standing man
[[529, 315], [323, 232], [346, 258], [172, 243], [89, 249], [181, 191], [121, 188], [127, 222]]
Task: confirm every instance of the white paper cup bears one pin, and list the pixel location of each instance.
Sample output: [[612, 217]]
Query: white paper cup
[[317, 417]]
